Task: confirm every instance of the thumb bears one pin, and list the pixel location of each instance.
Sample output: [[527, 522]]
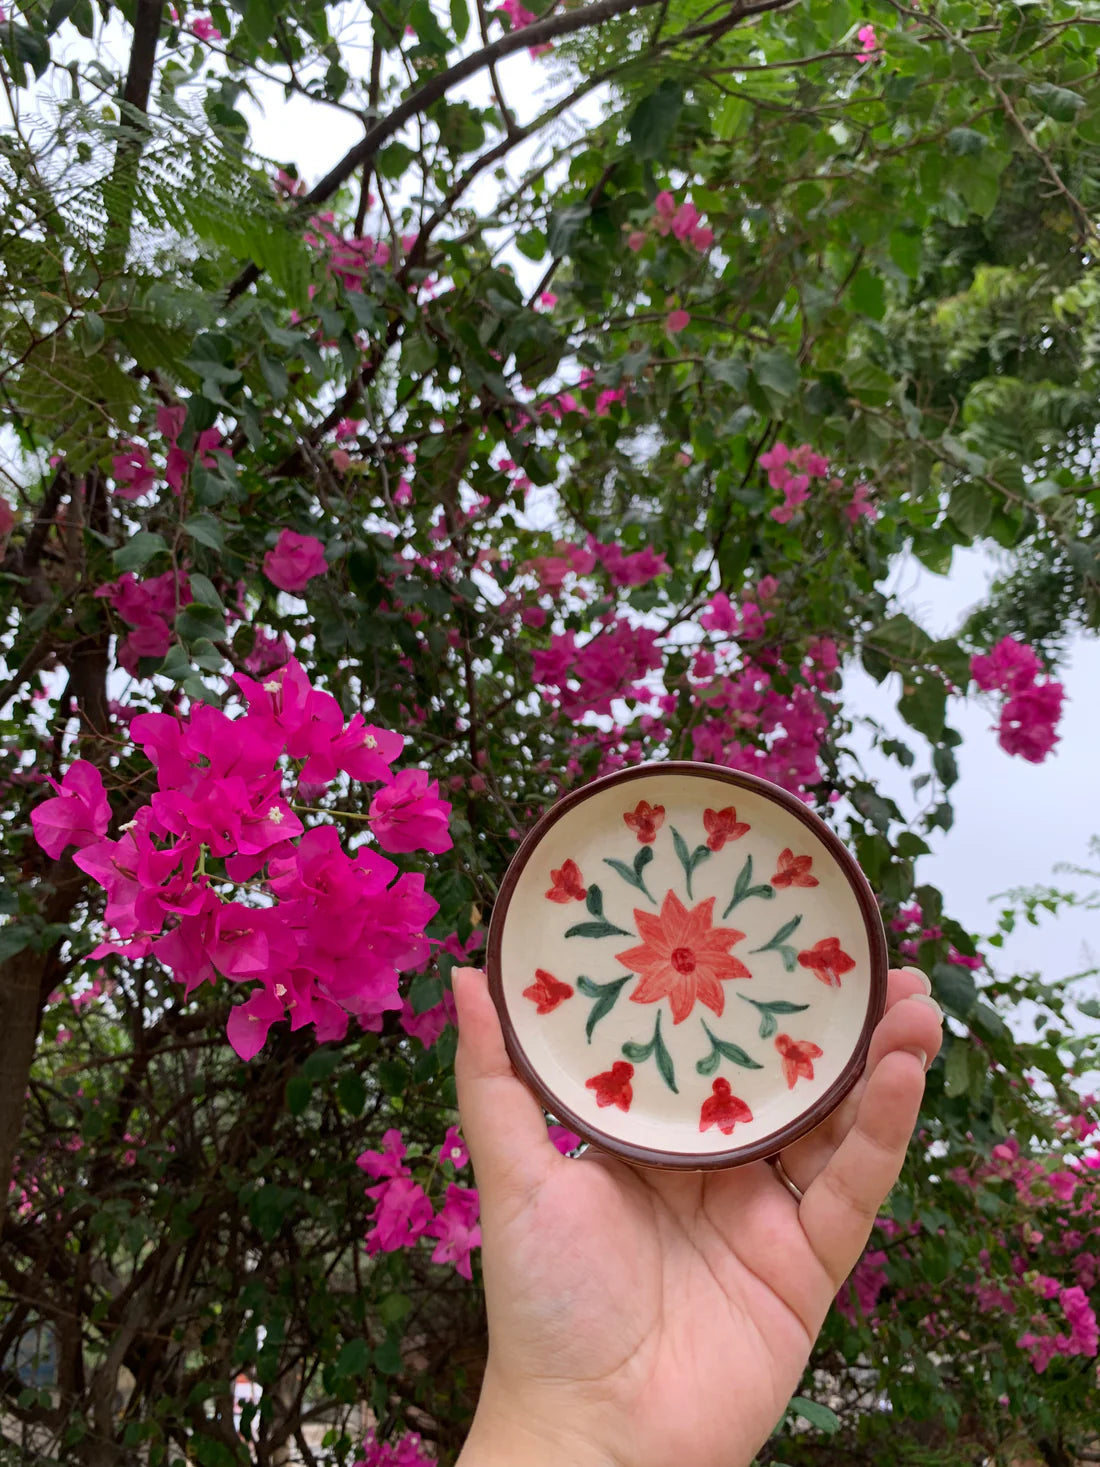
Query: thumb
[[501, 1120]]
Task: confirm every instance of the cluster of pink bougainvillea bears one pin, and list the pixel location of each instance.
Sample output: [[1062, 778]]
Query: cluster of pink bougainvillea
[[134, 471], [910, 921], [1061, 1206], [793, 470], [403, 1211], [408, 1451], [1032, 705], [217, 875]]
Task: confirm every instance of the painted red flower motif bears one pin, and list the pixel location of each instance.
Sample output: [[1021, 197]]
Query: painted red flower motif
[[613, 1086], [682, 957], [828, 960], [723, 1109], [567, 884], [645, 820], [798, 1056], [723, 825], [793, 870], [547, 992]]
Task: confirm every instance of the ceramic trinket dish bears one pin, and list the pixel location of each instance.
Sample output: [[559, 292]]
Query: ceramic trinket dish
[[688, 965]]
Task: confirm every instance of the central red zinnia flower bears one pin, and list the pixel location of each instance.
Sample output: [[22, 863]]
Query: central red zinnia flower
[[683, 957]]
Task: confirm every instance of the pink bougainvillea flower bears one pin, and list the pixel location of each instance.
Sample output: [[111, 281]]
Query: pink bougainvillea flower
[[295, 560], [613, 1086], [134, 474], [409, 815], [250, 1022], [79, 814], [389, 1162], [547, 992], [457, 1229], [792, 870], [7, 520], [567, 884], [721, 615], [723, 1109], [1011, 664], [403, 1213], [798, 1056], [676, 321], [723, 825], [682, 957], [204, 29], [562, 1139], [454, 1149], [869, 41], [1029, 720], [827, 960], [635, 240], [645, 820]]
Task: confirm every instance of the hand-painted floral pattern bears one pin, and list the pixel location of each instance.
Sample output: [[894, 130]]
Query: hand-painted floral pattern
[[645, 820], [723, 825], [682, 957], [683, 953], [566, 884], [613, 1086], [827, 960], [798, 1056], [792, 870], [723, 1109], [547, 992]]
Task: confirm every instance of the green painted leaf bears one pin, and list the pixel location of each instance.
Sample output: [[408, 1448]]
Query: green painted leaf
[[710, 1064], [781, 936], [606, 996], [653, 121], [732, 1052], [664, 1059], [597, 929], [680, 847], [816, 1414], [636, 1052], [594, 901], [633, 876]]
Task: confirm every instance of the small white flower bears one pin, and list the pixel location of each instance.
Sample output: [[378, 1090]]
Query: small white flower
[[272, 687], [370, 741], [275, 815]]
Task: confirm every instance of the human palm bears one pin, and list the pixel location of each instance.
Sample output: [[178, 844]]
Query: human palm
[[644, 1317]]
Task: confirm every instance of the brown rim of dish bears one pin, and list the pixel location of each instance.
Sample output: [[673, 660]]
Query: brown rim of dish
[[876, 940]]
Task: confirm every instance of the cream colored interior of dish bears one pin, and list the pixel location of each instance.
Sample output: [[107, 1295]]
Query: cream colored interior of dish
[[555, 1043]]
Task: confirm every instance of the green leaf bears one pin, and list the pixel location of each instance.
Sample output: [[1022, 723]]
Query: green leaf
[[351, 1092], [298, 1091], [709, 1065], [353, 1359], [733, 1052], [777, 370], [731, 118], [197, 621], [594, 900], [606, 996], [203, 591], [780, 936], [206, 530], [971, 507], [769, 1010], [1057, 102], [743, 888], [906, 250], [954, 988], [460, 19], [563, 227], [867, 293], [816, 1414], [664, 1059], [139, 549], [633, 877], [653, 121], [965, 141], [597, 929], [957, 1070]]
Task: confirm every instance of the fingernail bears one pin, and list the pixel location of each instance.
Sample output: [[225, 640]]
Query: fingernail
[[926, 982], [475, 971], [926, 998], [920, 1054]]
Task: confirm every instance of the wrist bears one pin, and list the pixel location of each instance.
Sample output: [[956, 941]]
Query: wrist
[[507, 1431]]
